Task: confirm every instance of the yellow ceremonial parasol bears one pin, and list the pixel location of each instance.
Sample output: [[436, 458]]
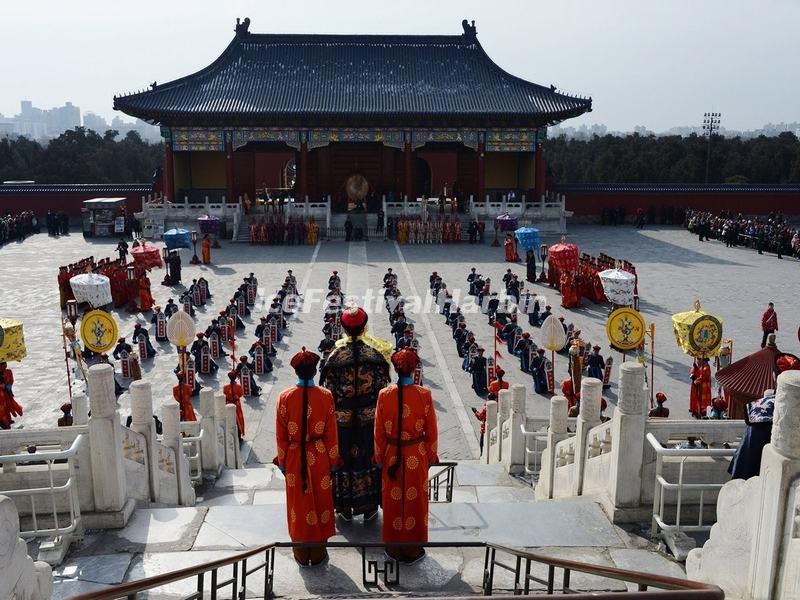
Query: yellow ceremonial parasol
[[12, 341], [699, 334]]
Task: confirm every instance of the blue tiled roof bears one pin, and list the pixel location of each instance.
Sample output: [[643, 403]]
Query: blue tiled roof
[[75, 188], [679, 188], [272, 77]]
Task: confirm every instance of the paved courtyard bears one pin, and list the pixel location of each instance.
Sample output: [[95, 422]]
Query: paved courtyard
[[674, 270]]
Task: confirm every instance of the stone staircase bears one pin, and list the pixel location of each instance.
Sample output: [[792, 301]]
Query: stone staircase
[[245, 508]]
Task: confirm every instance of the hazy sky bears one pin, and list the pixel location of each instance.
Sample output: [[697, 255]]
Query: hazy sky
[[657, 63]]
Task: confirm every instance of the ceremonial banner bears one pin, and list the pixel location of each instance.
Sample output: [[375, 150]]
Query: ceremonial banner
[[553, 335], [697, 333], [99, 331], [625, 329]]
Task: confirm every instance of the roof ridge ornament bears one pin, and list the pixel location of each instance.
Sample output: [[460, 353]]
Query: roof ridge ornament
[[470, 30], [242, 27]]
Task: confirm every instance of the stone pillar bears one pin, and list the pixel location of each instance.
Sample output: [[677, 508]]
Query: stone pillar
[[20, 576], [591, 395], [409, 171], [105, 437], [142, 422], [489, 424], [80, 409], [775, 557], [496, 433], [232, 457], [219, 419], [208, 433], [229, 183], [627, 438], [556, 432], [514, 451], [481, 169], [171, 438]]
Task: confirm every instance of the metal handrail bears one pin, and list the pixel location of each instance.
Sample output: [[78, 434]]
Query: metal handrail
[[447, 473], [46, 455], [661, 484], [671, 588]]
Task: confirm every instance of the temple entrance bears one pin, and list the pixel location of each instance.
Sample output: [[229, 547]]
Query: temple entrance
[[423, 178]]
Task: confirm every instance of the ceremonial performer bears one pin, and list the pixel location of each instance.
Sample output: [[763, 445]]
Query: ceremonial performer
[[9, 407], [660, 410], [477, 367], [355, 372], [171, 308], [308, 452], [121, 345], [406, 442], [700, 393], [157, 314], [182, 392], [139, 331], [539, 372], [597, 364], [145, 296], [206, 250], [511, 252], [233, 395]]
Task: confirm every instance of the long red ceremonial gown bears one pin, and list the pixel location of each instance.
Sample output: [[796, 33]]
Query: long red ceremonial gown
[[233, 395], [207, 251], [145, 297], [511, 253], [183, 396], [405, 498], [9, 408], [700, 394], [310, 511]]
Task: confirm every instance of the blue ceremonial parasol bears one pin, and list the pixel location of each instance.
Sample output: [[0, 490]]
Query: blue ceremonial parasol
[[528, 237], [177, 238]]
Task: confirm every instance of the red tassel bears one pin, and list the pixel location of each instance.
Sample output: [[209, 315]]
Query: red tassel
[[497, 354]]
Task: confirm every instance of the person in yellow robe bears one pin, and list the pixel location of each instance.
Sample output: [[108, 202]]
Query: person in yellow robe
[[206, 250]]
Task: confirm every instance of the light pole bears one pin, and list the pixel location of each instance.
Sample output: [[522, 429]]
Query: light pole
[[711, 123]]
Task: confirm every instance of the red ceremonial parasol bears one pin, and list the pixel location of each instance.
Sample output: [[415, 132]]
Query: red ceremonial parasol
[[563, 256], [146, 256], [747, 378]]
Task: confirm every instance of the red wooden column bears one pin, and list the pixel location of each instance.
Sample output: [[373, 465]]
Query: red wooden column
[[409, 187], [302, 172], [169, 170], [540, 184], [481, 172], [229, 190]]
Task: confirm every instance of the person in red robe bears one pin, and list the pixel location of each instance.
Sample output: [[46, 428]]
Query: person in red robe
[[183, 396], [206, 250], [253, 228], [569, 293], [9, 407], [233, 395], [145, 297], [511, 251], [406, 444], [308, 452], [700, 393]]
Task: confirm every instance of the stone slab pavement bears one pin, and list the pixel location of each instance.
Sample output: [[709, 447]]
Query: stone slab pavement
[[674, 269]]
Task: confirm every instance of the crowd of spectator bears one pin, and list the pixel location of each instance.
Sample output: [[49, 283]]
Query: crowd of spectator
[[664, 215], [764, 234], [57, 223], [17, 227]]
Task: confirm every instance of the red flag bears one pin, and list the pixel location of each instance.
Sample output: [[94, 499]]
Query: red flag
[[497, 354]]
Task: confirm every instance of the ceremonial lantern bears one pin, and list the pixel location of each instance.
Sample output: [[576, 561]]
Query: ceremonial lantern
[[165, 254], [699, 334], [618, 286], [528, 237], [98, 331], [542, 259], [72, 311], [12, 341], [195, 259], [91, 288]]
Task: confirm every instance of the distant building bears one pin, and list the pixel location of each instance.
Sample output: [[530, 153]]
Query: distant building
[[95, 122]]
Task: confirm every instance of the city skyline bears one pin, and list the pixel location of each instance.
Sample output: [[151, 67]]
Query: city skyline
[[635, 59]]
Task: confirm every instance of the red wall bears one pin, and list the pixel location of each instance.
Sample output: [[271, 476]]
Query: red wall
[[444, 168], [268, 167], [749, 203], [71, 203]]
